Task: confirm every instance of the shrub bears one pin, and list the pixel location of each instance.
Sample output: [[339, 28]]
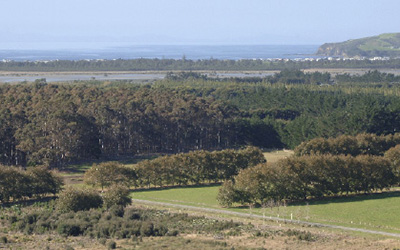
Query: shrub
[[109, 173], [14, 184], [72, 199], [132, 214], [17, 183], [306, 236], [226, 194], [117, 210], [68, 229], [12, 219], [3, 239], [112, 245], [44, 181], [172, 233], [160, 231], [393, 155], [116, 195], [147, 229], [103, 241]]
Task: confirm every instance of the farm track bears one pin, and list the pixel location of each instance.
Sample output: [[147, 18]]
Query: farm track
[[219, 211]]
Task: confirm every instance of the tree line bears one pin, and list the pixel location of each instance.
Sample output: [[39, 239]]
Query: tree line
[[371, 76], [309, 176], [314, 173], [293, 76], [16, 184], [196, 167], [143, 64], [361, 144], [285, 76], [56, 124], [292, 113]]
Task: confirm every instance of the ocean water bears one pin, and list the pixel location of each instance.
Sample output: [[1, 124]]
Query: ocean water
[[193, 52]]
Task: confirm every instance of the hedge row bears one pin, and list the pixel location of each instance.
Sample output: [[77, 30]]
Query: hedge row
[[180, 169], [16, 184], [196, 167], [309, 176]]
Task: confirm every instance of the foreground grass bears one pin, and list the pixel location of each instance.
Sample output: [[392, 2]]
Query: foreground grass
[[376, 211], [194, 232]]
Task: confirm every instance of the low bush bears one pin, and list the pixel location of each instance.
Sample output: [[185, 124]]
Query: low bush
[[69, 229], [116, 195], [107, 224], [111, 245], [147, 229], [3, 239], [73, 199]]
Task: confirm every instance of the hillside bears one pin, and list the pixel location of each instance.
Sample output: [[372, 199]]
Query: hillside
[[384, 45]]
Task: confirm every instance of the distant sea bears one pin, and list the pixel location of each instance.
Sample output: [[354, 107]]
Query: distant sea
[[193, 52]]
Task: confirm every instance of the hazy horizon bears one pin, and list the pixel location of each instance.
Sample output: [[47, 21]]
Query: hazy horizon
[[56, 24]]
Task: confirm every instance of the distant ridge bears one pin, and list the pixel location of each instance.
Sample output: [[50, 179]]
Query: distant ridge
[[384, 45]]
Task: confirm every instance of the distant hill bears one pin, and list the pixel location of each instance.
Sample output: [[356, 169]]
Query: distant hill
[[385, 45]]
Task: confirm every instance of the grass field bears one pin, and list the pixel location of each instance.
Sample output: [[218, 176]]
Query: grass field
[[275, 155], [376, 212], [73, 174]]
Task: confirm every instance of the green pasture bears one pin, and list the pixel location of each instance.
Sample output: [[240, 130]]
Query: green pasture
[[375, 212]]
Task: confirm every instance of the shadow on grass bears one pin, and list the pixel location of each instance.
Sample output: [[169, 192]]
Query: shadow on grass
[[336, 199], [28, 202], [139, 190], [83, 166], [348, 198]]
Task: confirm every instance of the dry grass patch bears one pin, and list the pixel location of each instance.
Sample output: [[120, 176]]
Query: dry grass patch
[[275, 155]]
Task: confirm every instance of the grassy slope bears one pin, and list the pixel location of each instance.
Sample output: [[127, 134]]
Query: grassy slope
[[375, 212], [381, 45]]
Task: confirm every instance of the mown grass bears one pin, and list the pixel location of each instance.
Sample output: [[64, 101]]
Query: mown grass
[[197, 196], [375, 211]]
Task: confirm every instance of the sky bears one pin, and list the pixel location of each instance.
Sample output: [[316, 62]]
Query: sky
[[27, 24]]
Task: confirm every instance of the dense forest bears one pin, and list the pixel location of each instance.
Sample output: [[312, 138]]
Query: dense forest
[[143, 64], [55, 124]]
